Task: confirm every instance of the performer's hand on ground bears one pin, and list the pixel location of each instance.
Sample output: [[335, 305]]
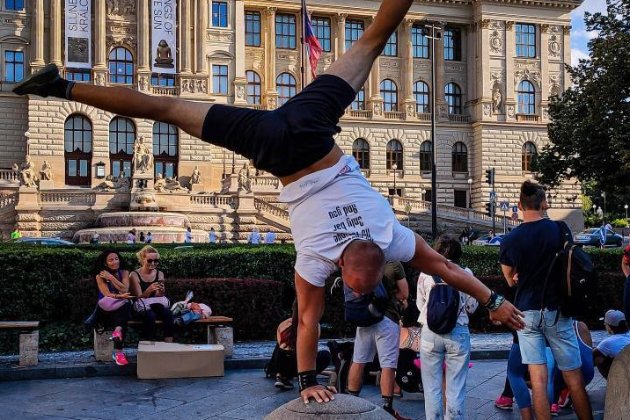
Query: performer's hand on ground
[[507, 314], [319, 393]]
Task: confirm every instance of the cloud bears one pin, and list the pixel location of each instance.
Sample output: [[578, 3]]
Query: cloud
[[577, 55], [581, 33], [591, 6]]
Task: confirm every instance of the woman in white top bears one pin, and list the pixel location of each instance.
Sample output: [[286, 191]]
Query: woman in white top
[[446, 353]]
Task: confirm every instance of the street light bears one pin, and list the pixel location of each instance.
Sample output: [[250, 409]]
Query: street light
[[470, 181], [594, 209], [625, 206], [395, 167], [604, 197]]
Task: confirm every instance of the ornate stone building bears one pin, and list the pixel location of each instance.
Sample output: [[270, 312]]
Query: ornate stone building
[[497, 64]]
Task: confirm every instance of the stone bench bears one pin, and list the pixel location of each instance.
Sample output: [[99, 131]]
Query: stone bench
[[29, 340], [343, 407], [218, 331]]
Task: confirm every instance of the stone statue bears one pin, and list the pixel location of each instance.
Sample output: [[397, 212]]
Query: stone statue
[[497, 100], [107, 185], [244, 179], [196, 176], [142, 157], [173, 185], [160, 184], [26, 172], [46, 173], [120, 184], [163, 55]]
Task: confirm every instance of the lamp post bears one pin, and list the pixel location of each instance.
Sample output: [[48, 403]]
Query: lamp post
[[470, 181], [394, 168], [625, 206], [604, 197], [594, 209]]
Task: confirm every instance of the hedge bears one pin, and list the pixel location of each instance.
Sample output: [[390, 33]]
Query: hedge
[[53, 285]]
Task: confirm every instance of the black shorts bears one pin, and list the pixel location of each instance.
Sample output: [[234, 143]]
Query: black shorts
[[288, 139]]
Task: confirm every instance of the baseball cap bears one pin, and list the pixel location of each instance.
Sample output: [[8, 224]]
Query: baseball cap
[[613, 317]]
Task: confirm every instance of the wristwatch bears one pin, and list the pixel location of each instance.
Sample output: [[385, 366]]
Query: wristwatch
[[494, 302]]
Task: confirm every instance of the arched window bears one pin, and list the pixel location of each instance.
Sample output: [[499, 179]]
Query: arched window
[[122, 134], [389, 92], [529, 152], [77, 133], [453, 95], [254, 95], [286, 86], [526, 96], [421, 93], [460, 157], [426, 156], [121, 67], [165, 149], [361, 152], [394, 155]]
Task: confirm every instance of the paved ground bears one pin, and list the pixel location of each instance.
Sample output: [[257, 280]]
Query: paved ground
[[241, 394]]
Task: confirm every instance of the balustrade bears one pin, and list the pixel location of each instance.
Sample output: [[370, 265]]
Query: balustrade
[[265, 207], [213, 200], [9, 175], [68, 198]]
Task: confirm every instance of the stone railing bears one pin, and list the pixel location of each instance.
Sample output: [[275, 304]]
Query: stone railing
[[67, 198], [9, 176], [266, 208], [213, 200], [459, 118], [7, 201], [394, 115], [526, 118], [359, 113], [423, 117], [165, 90], [264, 183]]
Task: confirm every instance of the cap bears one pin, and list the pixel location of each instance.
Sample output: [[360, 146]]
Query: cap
[[613, 318]]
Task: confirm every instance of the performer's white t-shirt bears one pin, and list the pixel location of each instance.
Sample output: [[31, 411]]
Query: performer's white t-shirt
[[332, 207]]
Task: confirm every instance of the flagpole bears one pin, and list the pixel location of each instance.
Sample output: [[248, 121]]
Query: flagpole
[[303, 40]]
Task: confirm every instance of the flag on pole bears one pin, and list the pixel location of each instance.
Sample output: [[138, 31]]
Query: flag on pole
[[313, 46]]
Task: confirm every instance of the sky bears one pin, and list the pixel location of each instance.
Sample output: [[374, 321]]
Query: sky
[[579, 36]]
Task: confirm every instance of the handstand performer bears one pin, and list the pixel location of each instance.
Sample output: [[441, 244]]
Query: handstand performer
[[337, 219]]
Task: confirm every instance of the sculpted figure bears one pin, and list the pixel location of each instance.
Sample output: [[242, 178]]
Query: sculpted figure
[[173, 185], [26, 172], [244, 181], [142, 157], [163, 55], [46, 172], [497, 100], [160, 183], [107, 185], [196, 176]]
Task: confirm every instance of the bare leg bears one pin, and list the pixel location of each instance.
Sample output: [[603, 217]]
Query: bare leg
[[355, 377], [354, 66], [187, 115], [538, 375], [581, 403]]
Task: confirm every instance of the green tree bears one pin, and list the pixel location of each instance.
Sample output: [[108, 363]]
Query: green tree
[[589, 131]]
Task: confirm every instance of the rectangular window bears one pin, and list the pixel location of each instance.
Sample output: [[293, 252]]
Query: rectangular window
[[359, 101], [354, 30], [420, 42], [460, 198], [525, 40], [285, 31], [13, 4], [321, 27], [78, 75], [220, 79], [397, 191], [391, 48], [219, 14], [164, 80], [428, 196], [13, 66], [452, 44], [252, 29]]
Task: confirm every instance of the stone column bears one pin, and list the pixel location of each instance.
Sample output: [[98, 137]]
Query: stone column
[[374, 82], [202, 29], [240, 81], [409, 101], [566, 51], [37, 35], [144, 45], [484, 83], [55, 32], [184, 39], [270, 58], [510, 53], [100, 44], [341, 35], [543, 90]]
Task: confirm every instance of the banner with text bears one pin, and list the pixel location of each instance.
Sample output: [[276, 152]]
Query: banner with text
[[163, 36], [78, 18]]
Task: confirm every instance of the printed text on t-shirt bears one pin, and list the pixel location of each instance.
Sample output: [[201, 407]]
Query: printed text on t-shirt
[[347, 217]]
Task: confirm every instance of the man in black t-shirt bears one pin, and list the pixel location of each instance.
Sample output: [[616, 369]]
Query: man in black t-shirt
[[526, 255]]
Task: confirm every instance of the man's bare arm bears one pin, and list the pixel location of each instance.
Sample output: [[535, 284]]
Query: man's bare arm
[[509, 273], [310, 310]]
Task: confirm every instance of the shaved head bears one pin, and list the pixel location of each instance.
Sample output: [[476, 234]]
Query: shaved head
[[362, 265]]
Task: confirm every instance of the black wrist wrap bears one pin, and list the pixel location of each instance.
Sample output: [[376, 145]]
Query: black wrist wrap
[[307, 379]]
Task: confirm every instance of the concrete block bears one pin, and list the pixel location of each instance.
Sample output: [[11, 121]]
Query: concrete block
[[223, 336], [29, 349], [103, 346], [618, 390], [343, 407]]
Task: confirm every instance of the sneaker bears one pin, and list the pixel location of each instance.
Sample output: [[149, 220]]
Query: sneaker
[[504, 403], [564, 400], [39, 82], [283, 383], [116, 336], [554, 410], [120, 358]]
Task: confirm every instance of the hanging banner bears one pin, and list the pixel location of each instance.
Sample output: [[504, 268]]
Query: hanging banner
[[163, 36], [78, 18]]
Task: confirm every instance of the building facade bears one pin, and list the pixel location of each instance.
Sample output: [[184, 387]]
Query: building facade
[[497, 64]]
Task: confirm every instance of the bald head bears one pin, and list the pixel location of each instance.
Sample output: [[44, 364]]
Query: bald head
[[362, 265]]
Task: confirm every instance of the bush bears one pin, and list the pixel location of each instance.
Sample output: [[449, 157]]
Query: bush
[[620, 223]]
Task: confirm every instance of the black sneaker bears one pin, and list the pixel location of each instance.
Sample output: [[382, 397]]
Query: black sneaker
[[283, 383], [39, 83]]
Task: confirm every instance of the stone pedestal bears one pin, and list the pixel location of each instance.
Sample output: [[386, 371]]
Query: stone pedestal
[[27, 199], [143, 200], [197, 188], [48, 184], [103, 346], [618, 391], [223, 336], [343, 407], [246, 202], [29, 349]]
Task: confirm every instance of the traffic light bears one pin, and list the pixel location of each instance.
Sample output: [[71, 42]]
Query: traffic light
[[490, 209], [490, 176]]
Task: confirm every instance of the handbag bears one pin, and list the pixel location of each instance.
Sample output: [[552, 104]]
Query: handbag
[[143, 304], [110, 304]]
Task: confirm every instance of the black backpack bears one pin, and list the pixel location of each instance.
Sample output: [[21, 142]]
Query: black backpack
[[365, 310], [442, 308], [408, 375], [576, 274]]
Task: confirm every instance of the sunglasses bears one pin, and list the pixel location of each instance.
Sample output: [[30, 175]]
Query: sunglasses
[[156, 261]]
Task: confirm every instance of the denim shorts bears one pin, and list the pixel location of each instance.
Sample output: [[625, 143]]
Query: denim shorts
[[541, 328]]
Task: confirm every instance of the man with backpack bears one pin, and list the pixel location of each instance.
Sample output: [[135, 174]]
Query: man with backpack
[[377, 316], [445, 344], [532, 258]]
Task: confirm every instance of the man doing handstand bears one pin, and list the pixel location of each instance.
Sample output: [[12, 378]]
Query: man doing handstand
[[337, 219]]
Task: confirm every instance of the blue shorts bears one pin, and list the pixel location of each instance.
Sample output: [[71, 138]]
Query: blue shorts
[[540, 329], [288, 139]]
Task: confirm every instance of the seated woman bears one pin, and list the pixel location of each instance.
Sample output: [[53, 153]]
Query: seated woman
[[114, 309], [147, 283]]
